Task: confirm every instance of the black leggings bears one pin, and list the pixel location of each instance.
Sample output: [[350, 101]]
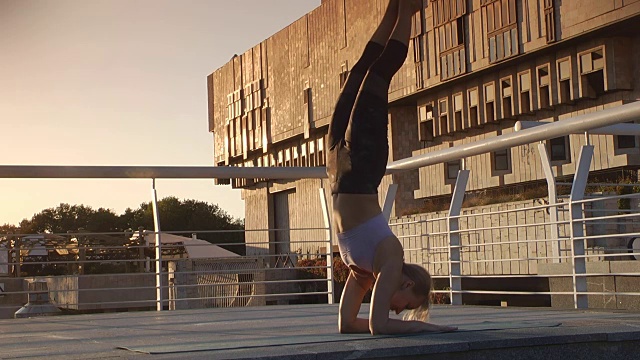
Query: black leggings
[[358, 143]]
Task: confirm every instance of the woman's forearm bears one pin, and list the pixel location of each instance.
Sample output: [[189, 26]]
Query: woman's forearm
[[359, 326], [395, 326]]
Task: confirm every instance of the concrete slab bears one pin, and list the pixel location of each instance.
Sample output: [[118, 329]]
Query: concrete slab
[[309, 332]]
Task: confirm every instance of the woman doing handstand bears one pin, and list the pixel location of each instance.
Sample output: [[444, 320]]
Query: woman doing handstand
[[357, 161]]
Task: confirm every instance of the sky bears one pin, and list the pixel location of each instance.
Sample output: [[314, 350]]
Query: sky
[[118, 82]]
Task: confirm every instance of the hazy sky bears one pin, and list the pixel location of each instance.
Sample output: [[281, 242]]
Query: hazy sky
[[118, 82]]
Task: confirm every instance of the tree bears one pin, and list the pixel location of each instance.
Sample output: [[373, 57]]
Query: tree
[[190, 215], [175, 215], [67, 217]]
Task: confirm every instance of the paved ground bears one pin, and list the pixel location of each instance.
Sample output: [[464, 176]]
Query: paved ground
[[309, 332]]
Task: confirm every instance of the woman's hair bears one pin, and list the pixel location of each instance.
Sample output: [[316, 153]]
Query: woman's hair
[[422, 287]]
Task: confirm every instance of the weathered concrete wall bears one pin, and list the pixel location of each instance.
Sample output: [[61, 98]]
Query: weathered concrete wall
[[299, 222], [606, 284], [10, 302], [96, 292]]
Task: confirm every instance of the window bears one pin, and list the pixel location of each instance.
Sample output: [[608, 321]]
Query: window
[[344, 74], [544, 87], [559, 149], [507, 97], [237, 103], [308, 111], [321, 155], [524, 84], [450, 30], [502, 160], [418, 51], [549, 20], [425, 122], [502, 30], [238, 137], [418, 39], [592, 73], [452, 169], [565, 88], [443, 113], [473, 107], [458, 105], [307, 96], [626, 141], [230, 109], [489, 102]]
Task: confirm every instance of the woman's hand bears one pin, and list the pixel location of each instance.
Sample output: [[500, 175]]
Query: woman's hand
[[440, 328]]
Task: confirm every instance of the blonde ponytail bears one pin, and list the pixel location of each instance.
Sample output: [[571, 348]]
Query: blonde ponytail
[[422, 287]]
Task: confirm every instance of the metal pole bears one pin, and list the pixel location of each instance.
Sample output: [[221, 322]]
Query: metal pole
[[158, 260], [392, 190], [577, 228], [581, 123], [617, 129], [326, 216], [455, 264], [553, 201]]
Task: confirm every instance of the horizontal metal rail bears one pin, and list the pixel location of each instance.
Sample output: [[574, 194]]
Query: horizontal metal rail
[[619, 114]]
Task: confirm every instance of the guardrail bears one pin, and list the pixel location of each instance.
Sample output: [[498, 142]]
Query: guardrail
[[568, 241], [506, 256], [88, 272]]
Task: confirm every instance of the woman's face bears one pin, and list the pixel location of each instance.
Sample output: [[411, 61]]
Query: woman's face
[[405, 299]]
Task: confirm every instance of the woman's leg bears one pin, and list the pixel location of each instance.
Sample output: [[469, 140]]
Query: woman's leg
[[373, 49], [366, 134]]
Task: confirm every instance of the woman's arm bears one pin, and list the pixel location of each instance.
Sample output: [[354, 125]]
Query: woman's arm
[[387, 283], [350, 302]]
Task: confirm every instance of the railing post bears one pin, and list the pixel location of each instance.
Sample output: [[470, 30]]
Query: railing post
[[455, 264], [392, 190], [577, 228], [158, 260], [326, 215], [553, 201]]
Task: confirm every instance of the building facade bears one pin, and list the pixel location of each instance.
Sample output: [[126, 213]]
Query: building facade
[[475, 67]]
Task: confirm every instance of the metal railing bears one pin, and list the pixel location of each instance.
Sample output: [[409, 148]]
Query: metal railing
[[88, 272], [568, 243], [515, 246]]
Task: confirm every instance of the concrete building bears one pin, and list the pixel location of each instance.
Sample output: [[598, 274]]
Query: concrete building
[[475, 67]]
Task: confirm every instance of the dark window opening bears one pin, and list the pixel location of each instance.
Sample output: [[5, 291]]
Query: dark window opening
[[473, 116], [426, 130], [501, 160], [506, 106], [444, 126], [490, 112], [458, 120], [558, 147], [565, 91], [525, 102], [453, 167], [626, 142], [545, 100], [593, 84]]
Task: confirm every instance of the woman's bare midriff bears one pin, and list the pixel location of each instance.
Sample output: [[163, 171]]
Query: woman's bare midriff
[[351, 210]]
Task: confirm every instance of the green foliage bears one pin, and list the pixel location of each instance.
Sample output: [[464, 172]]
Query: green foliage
[[175, 215]]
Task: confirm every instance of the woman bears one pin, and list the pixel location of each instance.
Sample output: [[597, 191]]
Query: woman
[[356, 164]]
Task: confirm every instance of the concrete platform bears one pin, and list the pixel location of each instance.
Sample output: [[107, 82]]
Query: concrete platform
[[309, 332]]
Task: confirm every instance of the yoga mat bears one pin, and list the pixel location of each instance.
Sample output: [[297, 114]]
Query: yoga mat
[[258, 341]]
